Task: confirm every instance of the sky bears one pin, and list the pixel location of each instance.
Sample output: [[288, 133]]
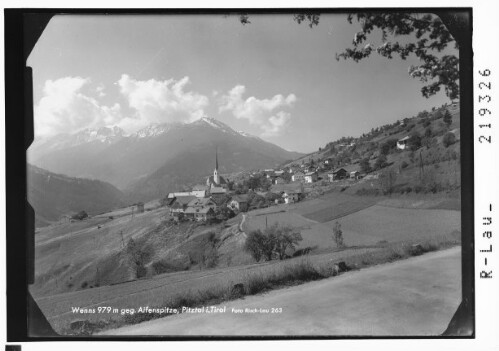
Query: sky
[[272, 78]]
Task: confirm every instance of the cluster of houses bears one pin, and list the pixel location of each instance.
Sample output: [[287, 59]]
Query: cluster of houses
[[199, 204]]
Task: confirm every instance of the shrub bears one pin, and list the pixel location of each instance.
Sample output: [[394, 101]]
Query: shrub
[[414, 141], [365, 166], [387, 181], [338, 235], [429, 181], [404, 164], [449, 139], [80, 215], [447, 118], [381, 162]]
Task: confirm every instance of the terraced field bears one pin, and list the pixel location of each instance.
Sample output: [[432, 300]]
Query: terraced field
[[382, 223]]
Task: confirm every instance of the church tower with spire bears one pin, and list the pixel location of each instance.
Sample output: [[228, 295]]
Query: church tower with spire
[[216, 178]]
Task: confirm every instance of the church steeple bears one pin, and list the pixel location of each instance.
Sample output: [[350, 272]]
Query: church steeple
[[216, 159], [216, 179]]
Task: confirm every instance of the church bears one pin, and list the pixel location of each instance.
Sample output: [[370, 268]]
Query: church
[[216, 182]]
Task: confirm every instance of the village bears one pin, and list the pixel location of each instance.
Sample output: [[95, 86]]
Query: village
[[222, 198]]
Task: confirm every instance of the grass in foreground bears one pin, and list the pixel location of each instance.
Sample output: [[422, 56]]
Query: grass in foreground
[[295, 272]]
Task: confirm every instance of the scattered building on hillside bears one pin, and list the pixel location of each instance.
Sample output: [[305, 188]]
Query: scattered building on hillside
[[202, 203], [199, 214], [402, 143], [298, 176], [179, 204], [214, 191], [355, 175], [196, 193], [216, 180], [291, 196], [279, 180], [337, 174], [310, 177], [239, 203]]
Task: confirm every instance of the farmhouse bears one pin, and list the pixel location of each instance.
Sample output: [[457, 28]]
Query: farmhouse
[[239, 203], [218, 190], [338, 174], [279, 180], [200, 214], [402, 143], [179, 204], [291, 196], [310, 177], [355, 175], [298, 176], [196, 193], [202, 203]]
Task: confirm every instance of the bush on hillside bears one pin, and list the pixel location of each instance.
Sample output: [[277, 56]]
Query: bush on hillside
[[387, 146], [338, 235], [387, 180], [381, 162], [449, 139], [365, 166], [80, 215], [447, 118], [414, 141]]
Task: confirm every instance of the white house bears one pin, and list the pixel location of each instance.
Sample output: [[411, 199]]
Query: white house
[[298, 176], [402, 143], [290, 197], [310, 177]]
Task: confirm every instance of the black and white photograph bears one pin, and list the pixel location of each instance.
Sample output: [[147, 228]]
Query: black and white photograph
[[261, 173]]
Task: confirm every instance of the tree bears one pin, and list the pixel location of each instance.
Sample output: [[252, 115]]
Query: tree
[[447, 118], [433, 33], [432, 37], [387, 146], [273, 241], [338, 235], [381, 162], [285, 238], [254, 244], [365, 166], [80, 215], [428, 133], [414, 141], [387, 180], [449, 139]]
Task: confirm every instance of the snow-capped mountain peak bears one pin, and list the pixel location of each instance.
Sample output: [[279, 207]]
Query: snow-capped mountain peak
[[155, 129]]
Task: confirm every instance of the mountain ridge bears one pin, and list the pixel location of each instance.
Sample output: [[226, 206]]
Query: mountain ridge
[[127, 161]]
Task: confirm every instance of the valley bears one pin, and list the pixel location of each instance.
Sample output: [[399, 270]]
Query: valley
[[354, 204]]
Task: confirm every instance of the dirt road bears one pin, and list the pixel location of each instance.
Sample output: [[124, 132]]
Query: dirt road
[[417, 296]]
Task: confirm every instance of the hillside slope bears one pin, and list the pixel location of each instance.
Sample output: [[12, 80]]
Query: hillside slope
[[53, 195]]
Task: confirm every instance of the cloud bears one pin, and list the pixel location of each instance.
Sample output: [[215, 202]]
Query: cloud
[[158, 101], [267, 114], [64, 108]]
